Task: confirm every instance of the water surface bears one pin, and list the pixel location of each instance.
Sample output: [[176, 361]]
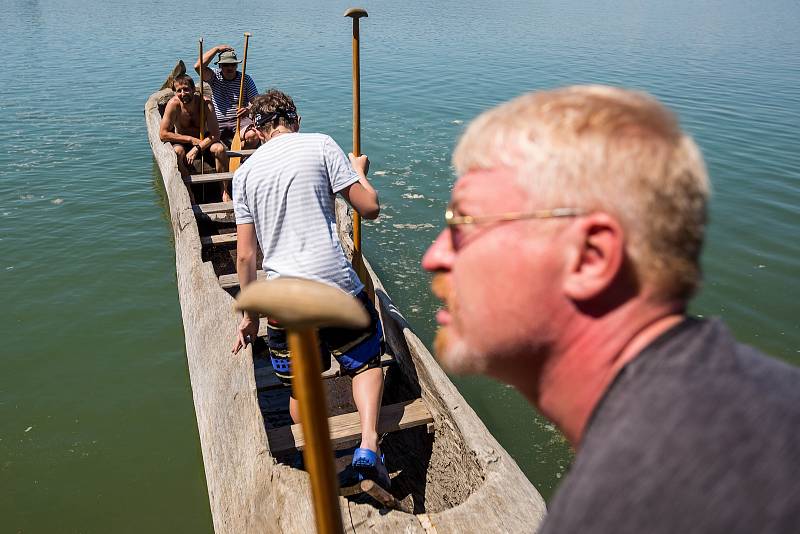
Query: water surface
[[97, 429]]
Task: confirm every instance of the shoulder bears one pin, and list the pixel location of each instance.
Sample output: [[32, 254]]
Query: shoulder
[[172, 104]]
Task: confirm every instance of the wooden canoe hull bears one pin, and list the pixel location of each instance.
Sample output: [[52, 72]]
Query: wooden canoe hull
[[471, 484]]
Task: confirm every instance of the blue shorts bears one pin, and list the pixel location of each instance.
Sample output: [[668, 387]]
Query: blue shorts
[[355, 350]]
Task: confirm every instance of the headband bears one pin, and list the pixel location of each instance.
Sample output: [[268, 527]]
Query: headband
[[262, 119]]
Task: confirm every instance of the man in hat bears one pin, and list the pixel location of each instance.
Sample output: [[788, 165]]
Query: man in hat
[[571, 252], [180, 125], [225, 82]]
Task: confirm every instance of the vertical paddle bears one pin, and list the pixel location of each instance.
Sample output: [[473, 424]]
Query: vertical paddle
[[202, 110], [358, 259], [302, 306], [236, 143]]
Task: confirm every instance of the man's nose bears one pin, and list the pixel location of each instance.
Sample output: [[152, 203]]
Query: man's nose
[[439, 256]]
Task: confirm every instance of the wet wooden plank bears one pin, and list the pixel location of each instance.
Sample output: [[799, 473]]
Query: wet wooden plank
[[347, 427]]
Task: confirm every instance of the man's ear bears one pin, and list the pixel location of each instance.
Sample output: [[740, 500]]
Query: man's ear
[[596, 257], [261, 135]]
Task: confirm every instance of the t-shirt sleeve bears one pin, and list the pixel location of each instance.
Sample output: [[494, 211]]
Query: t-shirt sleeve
[[252, 90], [340, 173], [241, 209]]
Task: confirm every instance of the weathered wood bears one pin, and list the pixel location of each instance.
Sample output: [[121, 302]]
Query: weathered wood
[[347, 428], [209, 178], [228, 281], [212, 207], [219, 240], [241, 153], [374, 490]]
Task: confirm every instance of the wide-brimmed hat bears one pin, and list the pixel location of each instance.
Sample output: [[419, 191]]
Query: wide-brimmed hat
[[227, 57]]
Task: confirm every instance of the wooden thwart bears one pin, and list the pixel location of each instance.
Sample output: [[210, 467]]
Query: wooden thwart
[[210, 178], [346, 428], [228, 281], [219, 239], [212, 207], [241, 153]]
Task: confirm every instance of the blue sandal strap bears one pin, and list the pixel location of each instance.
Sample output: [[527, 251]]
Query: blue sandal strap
[[364, 457]]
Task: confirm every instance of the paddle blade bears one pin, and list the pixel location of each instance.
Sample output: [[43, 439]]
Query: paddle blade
[[236, 144]]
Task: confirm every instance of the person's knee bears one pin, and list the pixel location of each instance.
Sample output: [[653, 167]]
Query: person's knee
[[180, 151], [218, 149]]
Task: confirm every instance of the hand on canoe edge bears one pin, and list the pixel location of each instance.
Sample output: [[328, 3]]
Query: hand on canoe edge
[[246, 333]]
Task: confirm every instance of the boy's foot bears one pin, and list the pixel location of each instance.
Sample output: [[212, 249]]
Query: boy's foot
[[368, 465]]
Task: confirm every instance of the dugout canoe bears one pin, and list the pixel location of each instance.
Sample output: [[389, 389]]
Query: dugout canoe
[[448, 470]]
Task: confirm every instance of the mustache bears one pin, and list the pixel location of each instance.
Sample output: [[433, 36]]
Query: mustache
[[439, 286]]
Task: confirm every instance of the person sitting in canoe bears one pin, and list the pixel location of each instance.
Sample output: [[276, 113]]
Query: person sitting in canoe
[[180, 125], [284, 199], [225, 85]]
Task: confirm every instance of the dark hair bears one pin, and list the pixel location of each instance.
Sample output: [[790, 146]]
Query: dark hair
[[273, 109], [183, 79]]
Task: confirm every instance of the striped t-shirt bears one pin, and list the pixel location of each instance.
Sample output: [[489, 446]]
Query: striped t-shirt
[[287, 189], [225, 96]]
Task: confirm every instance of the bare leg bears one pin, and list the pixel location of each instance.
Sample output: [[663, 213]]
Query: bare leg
[[221, 164], [220, 157], [183, 168], [294, 409], [367, 393]]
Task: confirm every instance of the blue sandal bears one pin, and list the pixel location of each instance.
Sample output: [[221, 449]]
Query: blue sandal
[[369, 467]]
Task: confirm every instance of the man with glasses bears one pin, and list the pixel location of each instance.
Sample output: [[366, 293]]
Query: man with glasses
[[225, 83], [571, 251]]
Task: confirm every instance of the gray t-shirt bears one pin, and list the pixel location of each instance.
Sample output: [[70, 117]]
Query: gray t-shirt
[[287, 189], [697, 434]]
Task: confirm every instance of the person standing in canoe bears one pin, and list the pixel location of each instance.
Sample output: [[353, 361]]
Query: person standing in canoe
[[571, 252], [225, 84], [180, 125], [284, 199]]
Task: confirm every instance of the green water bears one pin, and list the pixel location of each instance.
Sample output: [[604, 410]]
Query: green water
[[97, 430]]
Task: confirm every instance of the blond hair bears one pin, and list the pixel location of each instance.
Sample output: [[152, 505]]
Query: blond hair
[[605, 149]]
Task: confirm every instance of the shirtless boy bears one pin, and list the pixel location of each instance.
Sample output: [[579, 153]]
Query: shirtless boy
[[180, 126]]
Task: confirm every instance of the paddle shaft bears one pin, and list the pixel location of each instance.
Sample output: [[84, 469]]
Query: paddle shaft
[[318, 453], [236, 142], [241, 83], [202, 110], [356, 127]]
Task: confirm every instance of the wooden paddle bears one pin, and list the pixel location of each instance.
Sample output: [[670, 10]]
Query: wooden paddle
[[302, 306], [236, 143], [202, 110], [358, 259]]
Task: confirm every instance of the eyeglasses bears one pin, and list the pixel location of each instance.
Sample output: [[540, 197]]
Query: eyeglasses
[[460, 225]]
